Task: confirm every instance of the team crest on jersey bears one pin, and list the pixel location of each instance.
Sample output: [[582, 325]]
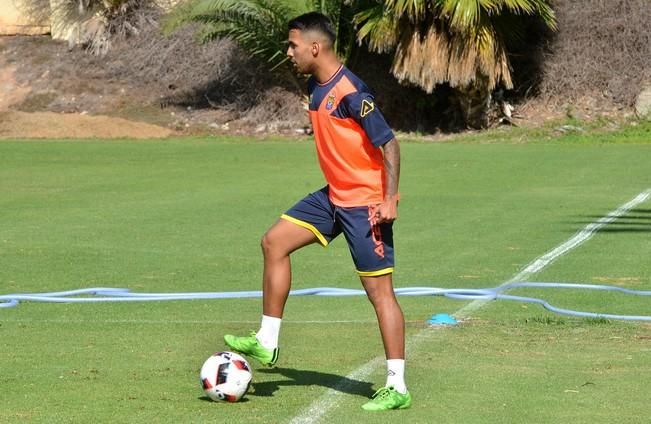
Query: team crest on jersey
[[331, 101], [367, 107]]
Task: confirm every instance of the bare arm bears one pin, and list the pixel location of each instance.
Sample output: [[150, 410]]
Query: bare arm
[[392, 168], [387, 211]]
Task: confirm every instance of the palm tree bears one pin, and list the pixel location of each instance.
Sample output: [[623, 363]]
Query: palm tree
[[460, 42], [260, 26]]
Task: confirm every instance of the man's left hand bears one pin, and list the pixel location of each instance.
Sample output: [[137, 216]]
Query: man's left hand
[[386, 212]]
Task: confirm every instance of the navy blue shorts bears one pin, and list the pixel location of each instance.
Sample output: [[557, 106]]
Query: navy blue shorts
[[371, 246]]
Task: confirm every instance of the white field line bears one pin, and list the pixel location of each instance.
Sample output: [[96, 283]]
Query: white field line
[[328, 401], [578, 239]]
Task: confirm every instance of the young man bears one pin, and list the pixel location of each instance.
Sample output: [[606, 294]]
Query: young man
[[360, 159]]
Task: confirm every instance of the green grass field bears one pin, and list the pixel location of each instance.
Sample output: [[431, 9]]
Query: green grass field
[[187, 215]]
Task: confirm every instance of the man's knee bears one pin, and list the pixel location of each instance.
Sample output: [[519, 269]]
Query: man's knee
[[267, 243], [274, 242], [379, 289], [285, 237]]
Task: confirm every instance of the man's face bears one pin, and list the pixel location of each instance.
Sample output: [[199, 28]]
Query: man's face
[[300, 51]]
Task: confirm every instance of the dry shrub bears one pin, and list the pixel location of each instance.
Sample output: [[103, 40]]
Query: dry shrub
[[148, 69], [601, 52], [178, 66], [217, 75], [278, 109]]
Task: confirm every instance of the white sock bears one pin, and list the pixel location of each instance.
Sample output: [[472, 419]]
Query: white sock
[[396, 375], [269, 331]]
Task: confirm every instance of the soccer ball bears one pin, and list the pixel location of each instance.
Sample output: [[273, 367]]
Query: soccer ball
[[225, 376]]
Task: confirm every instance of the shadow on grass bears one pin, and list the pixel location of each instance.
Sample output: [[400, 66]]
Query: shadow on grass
[[626, 230], [638, 223], [623, 218], [207, 399], [310, 378]]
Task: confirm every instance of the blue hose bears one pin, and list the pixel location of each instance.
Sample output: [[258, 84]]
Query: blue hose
[[107, 294]]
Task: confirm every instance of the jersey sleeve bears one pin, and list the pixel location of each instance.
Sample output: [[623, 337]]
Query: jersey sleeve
[[361, 107]]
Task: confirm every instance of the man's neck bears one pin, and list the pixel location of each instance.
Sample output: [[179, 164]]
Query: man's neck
[[327, 71]]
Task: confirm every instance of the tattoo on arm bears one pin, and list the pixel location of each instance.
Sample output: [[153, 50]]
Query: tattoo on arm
[[392, 166]]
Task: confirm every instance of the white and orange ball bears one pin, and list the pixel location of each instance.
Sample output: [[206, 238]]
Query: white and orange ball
[[225, 376]]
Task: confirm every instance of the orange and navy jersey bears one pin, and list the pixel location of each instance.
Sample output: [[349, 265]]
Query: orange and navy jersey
[[349, 131]]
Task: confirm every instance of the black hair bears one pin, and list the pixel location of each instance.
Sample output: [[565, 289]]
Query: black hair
[[314, 21]]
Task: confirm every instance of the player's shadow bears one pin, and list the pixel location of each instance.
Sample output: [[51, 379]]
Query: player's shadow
[[639, 221], [310, 378]]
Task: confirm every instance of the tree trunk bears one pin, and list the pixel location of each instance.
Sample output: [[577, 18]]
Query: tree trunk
[[475, 101]]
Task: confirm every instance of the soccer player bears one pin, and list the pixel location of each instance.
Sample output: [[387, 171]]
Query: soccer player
[[360, 159]]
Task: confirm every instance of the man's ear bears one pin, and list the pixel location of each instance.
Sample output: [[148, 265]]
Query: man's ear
[[315, 48]]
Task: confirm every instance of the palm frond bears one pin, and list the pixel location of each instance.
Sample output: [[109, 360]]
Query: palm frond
[[462, 14], [378, 27], [414, 10], [258, 26], [453, 41]]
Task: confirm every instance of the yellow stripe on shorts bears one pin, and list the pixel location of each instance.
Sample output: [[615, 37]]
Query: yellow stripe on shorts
[[375, 273], [310, 227]]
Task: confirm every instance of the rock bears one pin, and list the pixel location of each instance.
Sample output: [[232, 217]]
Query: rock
[[569, 129], [643, 103]]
